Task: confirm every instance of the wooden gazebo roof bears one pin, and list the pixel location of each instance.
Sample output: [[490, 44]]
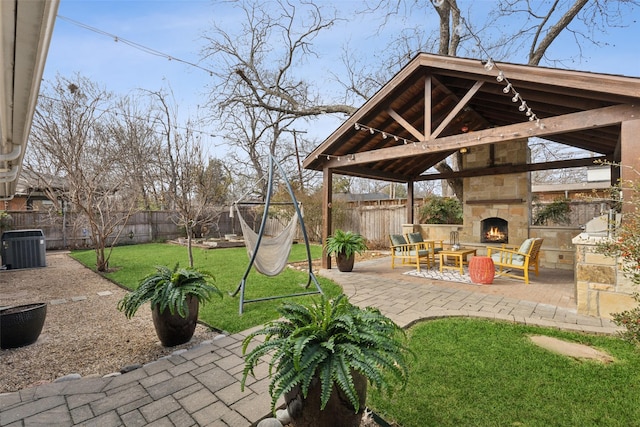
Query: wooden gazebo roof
[[468, 105]]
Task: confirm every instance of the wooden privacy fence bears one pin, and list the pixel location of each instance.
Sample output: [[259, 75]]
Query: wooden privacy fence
[[375, 222]]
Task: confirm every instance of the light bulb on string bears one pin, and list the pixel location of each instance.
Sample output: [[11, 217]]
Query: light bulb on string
[[357, 126], [384, 135], [500, 76], [515, 97], [528, 113], [395, 138], [371, 131], [488, 65], [522, 106], [507, 88]]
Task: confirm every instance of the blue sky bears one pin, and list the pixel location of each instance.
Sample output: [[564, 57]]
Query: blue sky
[[175, 27]]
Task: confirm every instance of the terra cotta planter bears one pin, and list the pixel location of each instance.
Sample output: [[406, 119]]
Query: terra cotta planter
[[21, 325]]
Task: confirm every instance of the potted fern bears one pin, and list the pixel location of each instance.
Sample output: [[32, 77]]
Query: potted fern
[[175, 296], [344, 245], [324, 356]]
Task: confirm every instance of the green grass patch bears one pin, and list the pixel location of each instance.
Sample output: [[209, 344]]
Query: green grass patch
[[131, 263], [482, 373]]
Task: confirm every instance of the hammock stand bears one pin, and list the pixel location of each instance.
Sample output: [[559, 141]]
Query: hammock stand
[[312, 278]]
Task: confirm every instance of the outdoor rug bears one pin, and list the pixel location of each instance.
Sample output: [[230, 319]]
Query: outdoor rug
[[447, 275]]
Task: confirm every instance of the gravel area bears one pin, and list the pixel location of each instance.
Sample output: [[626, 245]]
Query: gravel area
[[83, 333]]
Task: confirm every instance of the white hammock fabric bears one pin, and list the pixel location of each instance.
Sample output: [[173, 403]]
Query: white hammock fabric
[[273, 253]]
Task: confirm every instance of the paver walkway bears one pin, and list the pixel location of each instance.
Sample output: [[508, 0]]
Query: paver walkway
[[201, 386]]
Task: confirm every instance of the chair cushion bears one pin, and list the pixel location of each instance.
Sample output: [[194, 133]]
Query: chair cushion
[[398, 239], [517, 260], [525, 246], [415, 237]]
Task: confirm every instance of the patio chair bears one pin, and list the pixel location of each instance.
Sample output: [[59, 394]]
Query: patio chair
[[524, 258], [409, 253], [433, 246]]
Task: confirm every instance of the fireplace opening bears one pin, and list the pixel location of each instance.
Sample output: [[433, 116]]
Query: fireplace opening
[[494, 230]]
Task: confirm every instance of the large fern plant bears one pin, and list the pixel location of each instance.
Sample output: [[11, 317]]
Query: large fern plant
[[346, 242], [330, 341], [168, 288]]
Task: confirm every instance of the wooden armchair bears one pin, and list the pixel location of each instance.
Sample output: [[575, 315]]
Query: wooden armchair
[[409, 253], [524, 258], [433, 246]]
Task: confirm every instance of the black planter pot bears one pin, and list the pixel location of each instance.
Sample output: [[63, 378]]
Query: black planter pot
[[172, 329], [344, 263], [306, 412], [21, 325]]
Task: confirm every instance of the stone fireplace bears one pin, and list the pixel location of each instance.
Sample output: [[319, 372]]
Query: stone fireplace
[[496, 207], [494, 230]]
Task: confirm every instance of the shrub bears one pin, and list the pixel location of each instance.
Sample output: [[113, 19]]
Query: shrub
[[630, 320], [557, 212], [626, 245], [441, 210]]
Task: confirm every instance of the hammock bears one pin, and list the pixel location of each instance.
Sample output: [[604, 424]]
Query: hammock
[[270, 254], [273, 252]]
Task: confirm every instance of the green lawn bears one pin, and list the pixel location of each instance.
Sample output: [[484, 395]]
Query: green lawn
[[130, 263], [483, 373]]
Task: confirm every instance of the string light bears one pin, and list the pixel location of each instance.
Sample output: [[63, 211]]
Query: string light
[[489, 63], [385, 135], [135, 45], [328, 156]]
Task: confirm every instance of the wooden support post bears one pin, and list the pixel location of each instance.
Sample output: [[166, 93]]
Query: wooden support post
[[410, 198], [630, 158], [327, 197]]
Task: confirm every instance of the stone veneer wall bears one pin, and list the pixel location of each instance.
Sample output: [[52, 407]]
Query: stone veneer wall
[[504, 196], [601, 287]]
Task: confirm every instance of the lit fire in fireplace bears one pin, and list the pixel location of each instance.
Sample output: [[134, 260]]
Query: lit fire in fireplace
[[494, 235]]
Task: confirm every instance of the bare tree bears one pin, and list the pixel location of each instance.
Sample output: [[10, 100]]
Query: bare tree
[[76, 139], [261, 95], [259, 65], [540, 23], [190, 186]]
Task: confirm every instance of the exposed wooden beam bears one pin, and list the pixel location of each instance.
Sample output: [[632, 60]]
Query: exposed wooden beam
[[405, 124], [514, 168], [428, 102], [549, 126], [370, 173], [459, 106]]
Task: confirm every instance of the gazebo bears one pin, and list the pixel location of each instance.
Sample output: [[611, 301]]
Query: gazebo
[[437, 105]]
